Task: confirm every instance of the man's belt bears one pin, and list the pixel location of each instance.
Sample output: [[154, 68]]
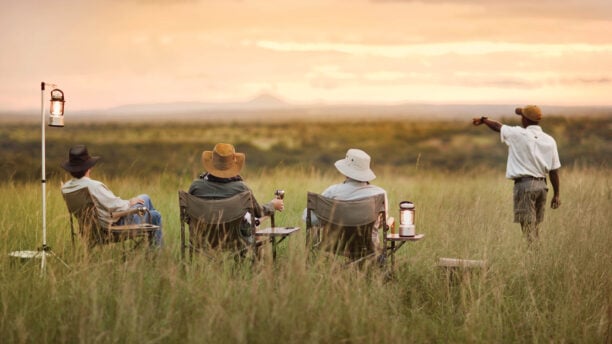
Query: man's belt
[[527, 178]]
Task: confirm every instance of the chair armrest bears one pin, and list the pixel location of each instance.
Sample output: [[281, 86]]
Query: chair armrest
[[139, 210]]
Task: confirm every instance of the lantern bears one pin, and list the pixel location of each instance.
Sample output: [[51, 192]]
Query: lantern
[[406, 218], [56, 110]]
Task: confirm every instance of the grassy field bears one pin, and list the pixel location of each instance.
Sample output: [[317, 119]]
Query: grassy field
[[145, 149], [558, 293]]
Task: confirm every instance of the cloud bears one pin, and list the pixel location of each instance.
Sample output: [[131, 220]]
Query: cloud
[[585, 81], [524, 81], [384, 76], [583, 9], [160, 2], [434, 49]]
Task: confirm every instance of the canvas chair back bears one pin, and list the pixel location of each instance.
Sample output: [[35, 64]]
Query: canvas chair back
[[344, 227], [216, 223], [81, 206]]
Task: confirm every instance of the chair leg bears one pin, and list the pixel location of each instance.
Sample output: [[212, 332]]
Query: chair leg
[[182, 240], [72, 230]]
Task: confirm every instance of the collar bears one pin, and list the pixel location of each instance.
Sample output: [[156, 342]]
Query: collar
[[534, 127], [353, 181], [215, 179]]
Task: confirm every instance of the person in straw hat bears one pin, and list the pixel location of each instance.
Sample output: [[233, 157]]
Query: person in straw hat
[[532, 154], [222, 180], [356, 168], [80, 165]]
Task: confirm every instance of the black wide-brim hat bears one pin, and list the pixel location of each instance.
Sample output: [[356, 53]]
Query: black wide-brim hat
[[79, 159]]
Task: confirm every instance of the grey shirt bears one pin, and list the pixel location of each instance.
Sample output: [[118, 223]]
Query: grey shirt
[[349, 190]]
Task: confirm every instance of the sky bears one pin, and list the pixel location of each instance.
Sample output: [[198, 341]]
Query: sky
[[108, 53]]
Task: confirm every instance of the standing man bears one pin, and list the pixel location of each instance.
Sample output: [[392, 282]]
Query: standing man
[[532, 154]]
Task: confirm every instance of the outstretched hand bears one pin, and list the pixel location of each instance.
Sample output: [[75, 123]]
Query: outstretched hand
[[477, 121]]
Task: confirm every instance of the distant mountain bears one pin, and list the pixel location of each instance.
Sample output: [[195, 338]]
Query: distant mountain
[[266, 100], [261, 102]]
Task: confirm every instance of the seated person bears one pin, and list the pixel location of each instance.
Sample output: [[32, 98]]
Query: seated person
[[222, 180], [79, 165], [356, 168]]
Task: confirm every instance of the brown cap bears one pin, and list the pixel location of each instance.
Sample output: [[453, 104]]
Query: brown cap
[[531, 112]]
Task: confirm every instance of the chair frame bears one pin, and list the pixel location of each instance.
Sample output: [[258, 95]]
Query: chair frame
[[82, 206], [216, 223], [354, 233]]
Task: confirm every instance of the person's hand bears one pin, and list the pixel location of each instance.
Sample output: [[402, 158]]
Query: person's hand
[[391, 222], [278, 204], [478, 121], [555, 203], [136, 200]]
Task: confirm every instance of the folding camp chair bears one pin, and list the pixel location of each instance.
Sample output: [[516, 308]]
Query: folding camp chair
[[344, 227], [82, 207], [216, 224]]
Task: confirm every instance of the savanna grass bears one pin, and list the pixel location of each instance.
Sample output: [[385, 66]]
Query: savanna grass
[[556, 291]]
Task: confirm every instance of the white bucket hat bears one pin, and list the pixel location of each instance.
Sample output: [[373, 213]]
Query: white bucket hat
[[356, 165]]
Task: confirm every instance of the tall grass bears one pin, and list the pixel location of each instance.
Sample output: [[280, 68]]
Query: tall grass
[[558, 291]]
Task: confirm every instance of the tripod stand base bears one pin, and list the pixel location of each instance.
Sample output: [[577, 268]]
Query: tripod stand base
[[25, 255], [44, 253], [28, 254]]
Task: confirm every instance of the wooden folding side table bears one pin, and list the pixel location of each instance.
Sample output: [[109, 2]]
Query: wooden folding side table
[[275, 233], [401, 240]]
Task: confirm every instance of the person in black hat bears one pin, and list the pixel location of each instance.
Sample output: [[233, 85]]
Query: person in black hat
[[79, 165], [532, 155]]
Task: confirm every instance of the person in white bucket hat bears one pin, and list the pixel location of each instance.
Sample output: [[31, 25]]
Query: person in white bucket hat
[[356, 168]]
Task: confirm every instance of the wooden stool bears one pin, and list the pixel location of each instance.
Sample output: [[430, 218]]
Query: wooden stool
[[458, 270]]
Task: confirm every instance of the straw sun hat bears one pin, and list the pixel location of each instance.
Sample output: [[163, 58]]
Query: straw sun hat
[[356, 165], [223, 161]]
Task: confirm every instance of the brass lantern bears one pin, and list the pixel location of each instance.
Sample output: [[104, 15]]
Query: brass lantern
[[56, 111], [407, 219]]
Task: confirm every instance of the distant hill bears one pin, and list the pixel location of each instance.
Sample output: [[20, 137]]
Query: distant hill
[[266, 106], [267, 101], [261, 102]]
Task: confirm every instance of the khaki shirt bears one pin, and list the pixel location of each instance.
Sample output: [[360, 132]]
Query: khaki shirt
[[106, 201]]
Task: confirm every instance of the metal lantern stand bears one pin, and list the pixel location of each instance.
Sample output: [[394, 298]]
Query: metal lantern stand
[[56, 119]]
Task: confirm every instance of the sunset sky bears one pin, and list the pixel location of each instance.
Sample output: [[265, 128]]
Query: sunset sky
[[107, 53]]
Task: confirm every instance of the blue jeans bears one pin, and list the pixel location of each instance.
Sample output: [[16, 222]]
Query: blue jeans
[[156, 218]]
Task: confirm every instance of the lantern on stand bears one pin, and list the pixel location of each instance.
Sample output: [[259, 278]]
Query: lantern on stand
[[407, 213], [56, 110], [56, 119]]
